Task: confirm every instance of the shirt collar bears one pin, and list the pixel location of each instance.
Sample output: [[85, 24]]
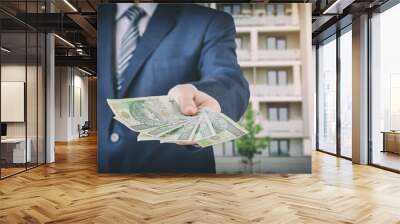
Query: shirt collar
[[149, 8]]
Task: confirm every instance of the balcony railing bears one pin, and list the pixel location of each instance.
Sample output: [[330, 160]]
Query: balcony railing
[[243, 54], [275, 90], [290, 128], [255, 20], [284, 54]]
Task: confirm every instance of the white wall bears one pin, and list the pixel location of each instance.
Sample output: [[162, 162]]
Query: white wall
[[71, 102], [17, 73], [80, 109], [61, 103], [33, 126]]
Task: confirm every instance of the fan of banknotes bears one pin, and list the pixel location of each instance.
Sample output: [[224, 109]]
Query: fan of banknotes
[[159, 118]]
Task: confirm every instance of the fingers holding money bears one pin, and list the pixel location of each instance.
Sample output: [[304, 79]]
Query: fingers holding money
[[203, 100], [190, 99], [187, 105], [184, 96]]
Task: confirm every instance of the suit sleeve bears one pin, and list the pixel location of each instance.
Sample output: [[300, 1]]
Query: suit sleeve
[[221, 76]]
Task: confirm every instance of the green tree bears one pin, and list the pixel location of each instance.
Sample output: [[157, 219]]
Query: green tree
[[249, 145]]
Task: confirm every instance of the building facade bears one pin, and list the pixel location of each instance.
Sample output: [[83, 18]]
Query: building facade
[[274, 51]]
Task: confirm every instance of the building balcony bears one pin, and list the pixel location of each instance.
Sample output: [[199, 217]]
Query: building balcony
[[243, 54], [254, 20], [276, 91], [287, 54], [281, 129]]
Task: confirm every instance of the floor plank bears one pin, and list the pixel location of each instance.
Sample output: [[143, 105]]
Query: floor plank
[[71, 191]]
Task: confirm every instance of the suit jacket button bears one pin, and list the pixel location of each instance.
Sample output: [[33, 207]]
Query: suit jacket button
[[114, 137]]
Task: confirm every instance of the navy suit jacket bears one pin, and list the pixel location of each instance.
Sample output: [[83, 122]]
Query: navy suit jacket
[[182, 44]]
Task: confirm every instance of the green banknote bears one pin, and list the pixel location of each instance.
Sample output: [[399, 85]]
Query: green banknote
[[184, 134], [205, 129], [161, 130], [225, 129], [146, 112], [158, 118], [146, 137]]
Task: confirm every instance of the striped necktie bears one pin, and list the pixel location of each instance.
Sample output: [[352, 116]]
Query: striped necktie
[[129, 41]]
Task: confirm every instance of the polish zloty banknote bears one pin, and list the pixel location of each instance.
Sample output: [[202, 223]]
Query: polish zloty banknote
[[205, 129], [182, 135], [146, 137], [146, 112], [164, 129], [225, 129], [159, 118]]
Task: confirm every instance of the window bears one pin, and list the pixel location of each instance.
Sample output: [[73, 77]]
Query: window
[[277, 77], [277, 10], [233, 9], [278, 112], [282, 78], [279, 147], [271, 43], [239, 43], [270, 8], [280, 9], [385, 89], [281, 43], [22, 76], [283, 114], [272, 77], [273, 114], [276, 43], [228, 149], [327, 96], [346, 93], [227, 9], [274, 147], [284, 147], [236, 9]]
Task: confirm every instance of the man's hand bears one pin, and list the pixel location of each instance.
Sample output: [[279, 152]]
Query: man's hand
[[190, 100]]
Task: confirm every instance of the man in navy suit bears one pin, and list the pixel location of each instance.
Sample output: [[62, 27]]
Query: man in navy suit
[[186, 51]]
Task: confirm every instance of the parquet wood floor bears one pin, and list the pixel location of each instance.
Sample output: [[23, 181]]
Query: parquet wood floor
[[70, 191], [10, 171]]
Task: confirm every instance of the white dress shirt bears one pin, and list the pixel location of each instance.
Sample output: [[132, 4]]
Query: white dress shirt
[[123, 23]]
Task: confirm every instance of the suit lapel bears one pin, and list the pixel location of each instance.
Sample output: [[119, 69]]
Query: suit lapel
[[162, 21], [106, 40]]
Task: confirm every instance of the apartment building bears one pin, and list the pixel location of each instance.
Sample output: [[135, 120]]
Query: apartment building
[[273, 49]]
